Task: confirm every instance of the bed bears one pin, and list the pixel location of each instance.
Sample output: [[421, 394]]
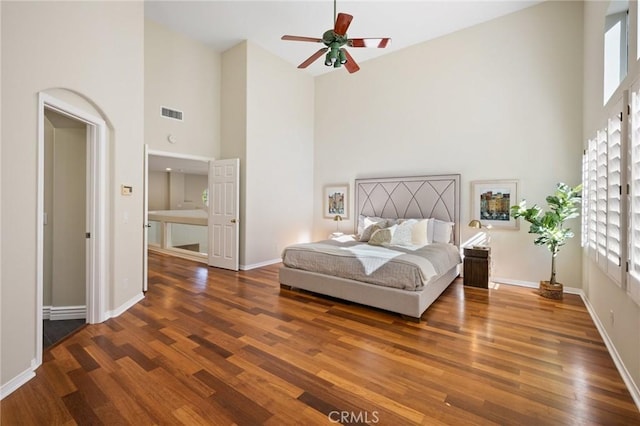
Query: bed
[[323, 267]]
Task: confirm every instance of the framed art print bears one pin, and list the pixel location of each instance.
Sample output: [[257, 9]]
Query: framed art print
[[491, 202], [336, 201]]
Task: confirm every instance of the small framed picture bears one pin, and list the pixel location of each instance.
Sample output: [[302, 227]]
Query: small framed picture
[[336, 201], [491, 202]]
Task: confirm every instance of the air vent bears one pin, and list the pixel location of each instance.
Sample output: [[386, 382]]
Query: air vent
[[171, 113]]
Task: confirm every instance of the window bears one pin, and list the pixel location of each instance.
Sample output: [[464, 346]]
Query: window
[[614, 192], [633, 282], [584, 235], [602, 189], [615, 46], [601, 197], [590, 183]]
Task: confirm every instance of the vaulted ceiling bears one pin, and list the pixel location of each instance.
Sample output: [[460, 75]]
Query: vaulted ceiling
[[223, 24]]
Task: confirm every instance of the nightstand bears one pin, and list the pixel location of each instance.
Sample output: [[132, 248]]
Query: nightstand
[[476, 266]]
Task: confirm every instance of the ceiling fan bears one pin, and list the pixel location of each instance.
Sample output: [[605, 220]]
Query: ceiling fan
[[334, 40]]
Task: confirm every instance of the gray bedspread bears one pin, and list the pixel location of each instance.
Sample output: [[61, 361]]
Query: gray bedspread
[[390, 266]]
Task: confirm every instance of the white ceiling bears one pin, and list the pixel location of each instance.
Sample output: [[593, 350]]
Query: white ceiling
[[223, 24]]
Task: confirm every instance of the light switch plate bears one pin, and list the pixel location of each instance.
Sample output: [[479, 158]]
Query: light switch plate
[[126, 189]]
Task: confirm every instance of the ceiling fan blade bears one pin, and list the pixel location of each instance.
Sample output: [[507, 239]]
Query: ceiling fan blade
[[299, 38], [342, 23], [313, 57], [351, 64], [369, 42]]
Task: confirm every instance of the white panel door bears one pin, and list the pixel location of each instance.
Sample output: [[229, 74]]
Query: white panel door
[[224, 207]]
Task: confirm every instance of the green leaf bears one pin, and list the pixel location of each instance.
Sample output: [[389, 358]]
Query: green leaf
[[549, 225]]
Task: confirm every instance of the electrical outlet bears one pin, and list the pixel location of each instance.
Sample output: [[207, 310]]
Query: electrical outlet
[[611, 316]]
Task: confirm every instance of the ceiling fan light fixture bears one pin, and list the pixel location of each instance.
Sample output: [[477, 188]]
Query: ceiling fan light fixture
[[327, 59], [332, 57], [334, 39], [342, 56]]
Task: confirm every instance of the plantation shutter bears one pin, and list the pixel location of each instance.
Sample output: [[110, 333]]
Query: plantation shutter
[[601, 198], [592, 197], [633, 282], [614, 194], [584, 235]]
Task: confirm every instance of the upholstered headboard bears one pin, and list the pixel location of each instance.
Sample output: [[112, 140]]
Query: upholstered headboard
[[411, 197]]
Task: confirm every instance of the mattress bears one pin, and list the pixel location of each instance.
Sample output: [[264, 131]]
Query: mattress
[[400, 267]]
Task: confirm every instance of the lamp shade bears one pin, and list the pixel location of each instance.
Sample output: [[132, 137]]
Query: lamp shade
[[337, 218], [475, 224]]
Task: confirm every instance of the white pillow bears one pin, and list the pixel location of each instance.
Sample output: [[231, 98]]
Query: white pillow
[[362, 218], [404, 233], [419, 234], [442, 231], [430, 224]]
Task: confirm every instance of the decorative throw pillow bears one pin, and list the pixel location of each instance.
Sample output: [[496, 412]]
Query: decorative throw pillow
[[442, 231], [371, 227], [419, 233], [404, 233], [370, 220], [382, 236]]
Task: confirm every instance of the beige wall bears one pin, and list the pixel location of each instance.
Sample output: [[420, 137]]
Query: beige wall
[[268, 124], [280, 117], [68, 279], [158, 191], [183, 74], [194, 185], [233, 121], [605, 295], [109, 71], [501, 100], [176, 191], [64, 280]]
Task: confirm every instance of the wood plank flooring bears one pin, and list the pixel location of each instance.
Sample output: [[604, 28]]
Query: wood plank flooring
[[214, 347]]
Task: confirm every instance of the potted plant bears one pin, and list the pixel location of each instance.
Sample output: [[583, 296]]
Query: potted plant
[[549, 225]]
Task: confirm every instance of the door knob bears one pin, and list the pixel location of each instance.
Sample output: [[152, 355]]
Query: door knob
[[233, 221]]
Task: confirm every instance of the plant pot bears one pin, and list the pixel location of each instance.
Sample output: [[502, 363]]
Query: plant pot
[[550, 291]]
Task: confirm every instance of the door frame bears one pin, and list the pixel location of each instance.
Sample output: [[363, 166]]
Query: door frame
[[96, 212], [145, 224]]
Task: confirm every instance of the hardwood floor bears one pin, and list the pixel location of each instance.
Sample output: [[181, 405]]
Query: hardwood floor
[[215, 347]]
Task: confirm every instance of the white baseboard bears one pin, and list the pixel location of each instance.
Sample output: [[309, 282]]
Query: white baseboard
[[126, 305], [260, 265], [19, 380], [55, 313], [615, 356], [622, 369], [509, 281], [531, 284]]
